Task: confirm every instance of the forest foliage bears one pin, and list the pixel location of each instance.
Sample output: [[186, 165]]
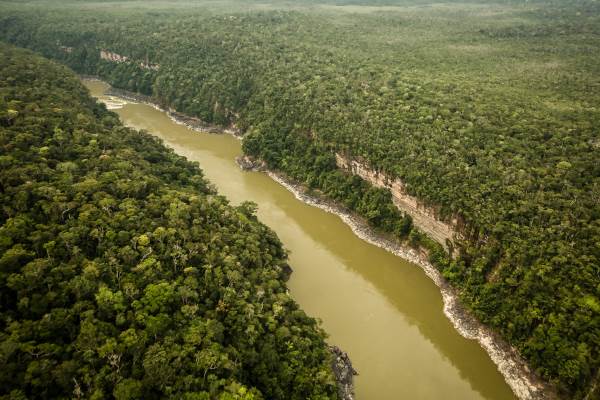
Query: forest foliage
[[487, 111], [123, 273]]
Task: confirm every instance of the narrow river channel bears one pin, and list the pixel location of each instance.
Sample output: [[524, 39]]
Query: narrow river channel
[[379, 308]]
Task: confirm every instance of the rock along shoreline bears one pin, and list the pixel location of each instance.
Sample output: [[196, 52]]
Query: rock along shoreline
[[525, 384], [193, 123]]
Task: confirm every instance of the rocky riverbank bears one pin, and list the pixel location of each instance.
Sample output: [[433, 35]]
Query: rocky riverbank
[[248, 163], [343, 372], [193, 123], [523, 382]]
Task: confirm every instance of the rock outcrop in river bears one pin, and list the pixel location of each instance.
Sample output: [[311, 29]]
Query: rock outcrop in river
[[248, 163], [344, 372]]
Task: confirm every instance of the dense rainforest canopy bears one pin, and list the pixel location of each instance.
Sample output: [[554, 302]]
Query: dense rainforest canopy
[[487, 111], [123, 273]]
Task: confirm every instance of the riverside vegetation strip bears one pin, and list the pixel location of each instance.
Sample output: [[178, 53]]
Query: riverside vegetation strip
[[487, 112], [123, 273]]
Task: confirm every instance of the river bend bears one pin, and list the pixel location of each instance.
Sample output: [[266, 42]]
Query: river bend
[[381, 309]]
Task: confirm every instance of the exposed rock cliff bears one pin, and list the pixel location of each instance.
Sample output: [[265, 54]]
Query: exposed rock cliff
[[114, 57], [423, 217]]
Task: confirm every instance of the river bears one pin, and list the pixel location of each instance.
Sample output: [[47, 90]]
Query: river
[[384, 311]]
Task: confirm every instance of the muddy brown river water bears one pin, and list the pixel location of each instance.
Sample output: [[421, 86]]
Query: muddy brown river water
[[384, 311]]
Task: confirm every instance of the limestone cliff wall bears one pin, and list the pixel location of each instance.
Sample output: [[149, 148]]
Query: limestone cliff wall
[[423, 217], [114, 57]]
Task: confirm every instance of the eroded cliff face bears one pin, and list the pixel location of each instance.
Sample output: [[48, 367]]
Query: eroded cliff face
[[423, 217], [114, 57]]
